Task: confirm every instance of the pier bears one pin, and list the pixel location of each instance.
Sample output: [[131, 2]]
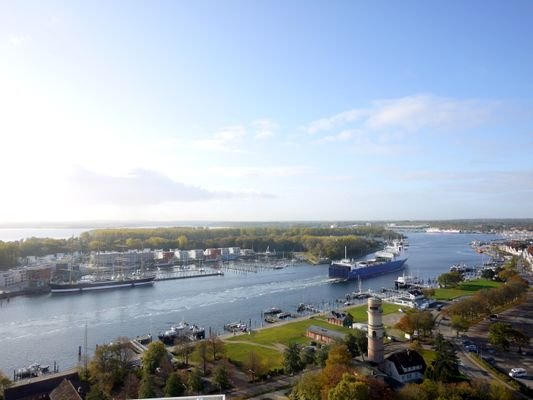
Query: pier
[[168, 276]]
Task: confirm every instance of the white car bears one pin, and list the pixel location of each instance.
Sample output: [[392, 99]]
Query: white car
[[517, 373]]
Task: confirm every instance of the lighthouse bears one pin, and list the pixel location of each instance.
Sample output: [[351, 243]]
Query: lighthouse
[[375, 331]]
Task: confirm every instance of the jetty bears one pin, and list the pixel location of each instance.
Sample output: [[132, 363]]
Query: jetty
[[167, 276]]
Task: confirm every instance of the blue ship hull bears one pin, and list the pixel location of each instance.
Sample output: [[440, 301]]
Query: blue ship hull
[[345, 272]]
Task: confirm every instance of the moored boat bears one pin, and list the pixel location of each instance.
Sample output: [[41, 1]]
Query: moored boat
[[391, 259], [182, 330], [90, 282]]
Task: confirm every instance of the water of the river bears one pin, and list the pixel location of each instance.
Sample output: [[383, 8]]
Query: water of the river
[[50, 328]]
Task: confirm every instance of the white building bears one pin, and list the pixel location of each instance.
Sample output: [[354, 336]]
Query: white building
[[196, 254], [405, 366]]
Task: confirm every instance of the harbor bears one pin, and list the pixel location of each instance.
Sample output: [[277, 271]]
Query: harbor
[[211, 302]]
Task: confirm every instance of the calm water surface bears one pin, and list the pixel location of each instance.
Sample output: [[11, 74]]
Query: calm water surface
[[50, 328]]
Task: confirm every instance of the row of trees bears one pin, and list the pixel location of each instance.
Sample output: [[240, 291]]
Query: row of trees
[[485, 301], [503, 335]]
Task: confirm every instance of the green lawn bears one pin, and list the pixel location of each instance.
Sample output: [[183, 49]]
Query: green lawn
[[465, 289], [241, 352], [429, 355], [286, 333], [359, 312]]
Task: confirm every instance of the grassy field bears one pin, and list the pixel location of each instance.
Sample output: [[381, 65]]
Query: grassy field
[[465, 289], [286, 333], [241, 352], [429, 355], [359, 312]]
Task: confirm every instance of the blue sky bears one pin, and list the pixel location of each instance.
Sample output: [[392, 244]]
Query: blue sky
[[248, 110]]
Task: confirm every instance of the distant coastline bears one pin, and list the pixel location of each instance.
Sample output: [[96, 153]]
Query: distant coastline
[[14, 234]]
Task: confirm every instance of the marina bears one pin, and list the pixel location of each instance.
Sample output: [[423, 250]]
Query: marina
[[210, 302]]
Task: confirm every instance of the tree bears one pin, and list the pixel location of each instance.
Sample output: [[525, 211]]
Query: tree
[[518, 338], [406, 324], [488, 273], [131, 387], [183, 242], [356, 342], [459, 324], [450, 279], [307, 356], [185, 348], [349, 388], [4, 383], [254, 365], [338, 363], [95, 393], [174, 386], [221, 377], [308, 387], [195, 382], [203, 351], [217, 347], [147, 388], [153, 357], [291, 361], [109, 365], [322, 355], [499, 335], [445, 367]]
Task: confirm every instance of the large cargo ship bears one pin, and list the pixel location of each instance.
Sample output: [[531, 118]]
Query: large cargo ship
[[391, 259], [90, 282]]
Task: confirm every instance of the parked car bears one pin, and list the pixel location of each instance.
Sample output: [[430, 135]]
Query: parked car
[[471, 348], [493, 317], [517, 373]]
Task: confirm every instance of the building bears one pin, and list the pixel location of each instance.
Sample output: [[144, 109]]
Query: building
[[375, 331], [213, 254], [196, 255], [164, 256], [182, 256], [127, 259], [65, 391], [14, 279], [39, 275], [340, 318], [360, 326], [323, 335], [405, 366]]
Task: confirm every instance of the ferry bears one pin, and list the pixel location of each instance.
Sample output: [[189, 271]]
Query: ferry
[[391, 259]]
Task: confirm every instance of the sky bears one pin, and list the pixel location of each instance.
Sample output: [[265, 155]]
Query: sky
[[265, 110]]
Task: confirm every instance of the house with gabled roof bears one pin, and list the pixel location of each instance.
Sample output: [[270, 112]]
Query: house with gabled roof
[[405, 366]]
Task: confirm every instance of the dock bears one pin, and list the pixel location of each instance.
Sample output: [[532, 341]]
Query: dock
[[167, 276]]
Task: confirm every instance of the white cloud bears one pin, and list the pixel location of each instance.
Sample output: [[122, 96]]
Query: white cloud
[[410, 113], [326, 124], [279, 171], [342, 136], [264, 128], [413, 113], [226, 139], [142, 187], [13, 41]]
